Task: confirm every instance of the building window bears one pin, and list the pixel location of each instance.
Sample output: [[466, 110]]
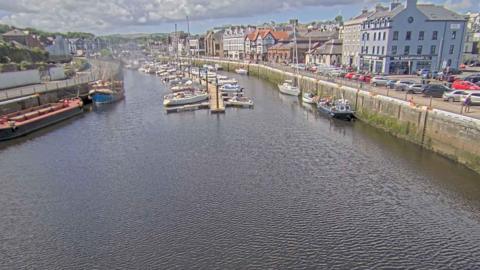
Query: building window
[[374, 36], [362, 49], [384, 35], [406, 50], [408, 35], [435, 35], [449, 62], [394, 50], [366, 49], [383, 50], [395, 35], [419, 49], [421, 35], [433, 49], [454, 34], [452, 47]]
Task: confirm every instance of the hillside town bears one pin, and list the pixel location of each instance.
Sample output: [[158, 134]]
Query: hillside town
[[381, 40]]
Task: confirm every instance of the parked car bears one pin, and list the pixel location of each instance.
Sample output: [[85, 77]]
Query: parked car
[[416, 88], [365, 78], [474, 96], [453, 95], [464, 85], [435, 90], [356, 76], [473, 79], [423, 71], [402, 85], [377, 80], [391, 84], [349, 75]]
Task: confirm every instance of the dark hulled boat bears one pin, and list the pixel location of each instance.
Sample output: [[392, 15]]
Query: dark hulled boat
[[23, 122], [339, 109]]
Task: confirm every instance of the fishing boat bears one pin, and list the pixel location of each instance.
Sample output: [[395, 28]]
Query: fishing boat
[[183, 98], [288, 88], [106, 92], [241, 71], [340, 108], [23, 122], [230, 88], [308, 98]]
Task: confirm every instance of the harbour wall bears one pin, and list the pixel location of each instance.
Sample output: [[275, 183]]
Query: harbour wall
[[451, 135], [43, 98]]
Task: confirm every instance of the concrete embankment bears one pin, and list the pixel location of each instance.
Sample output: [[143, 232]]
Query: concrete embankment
[[452, 135], [15, 99]]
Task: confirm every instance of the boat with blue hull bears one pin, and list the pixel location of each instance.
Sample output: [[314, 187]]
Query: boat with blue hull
[[105, 93]]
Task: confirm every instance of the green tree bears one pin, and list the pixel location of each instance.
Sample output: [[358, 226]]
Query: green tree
[[105, 52], [339, 19]]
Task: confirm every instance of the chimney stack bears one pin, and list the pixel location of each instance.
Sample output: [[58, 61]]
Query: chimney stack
[[394, 4], [411, 4]]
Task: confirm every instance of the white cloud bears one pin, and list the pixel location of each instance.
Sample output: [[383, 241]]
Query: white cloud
[[459, 5], [104, 15]]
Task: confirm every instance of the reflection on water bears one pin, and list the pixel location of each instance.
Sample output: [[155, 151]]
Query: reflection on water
[[278, 186]]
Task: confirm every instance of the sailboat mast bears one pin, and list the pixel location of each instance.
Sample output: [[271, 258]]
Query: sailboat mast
[[296, 49]]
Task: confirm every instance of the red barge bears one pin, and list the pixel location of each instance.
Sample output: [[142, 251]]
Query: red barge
[[23, 122]]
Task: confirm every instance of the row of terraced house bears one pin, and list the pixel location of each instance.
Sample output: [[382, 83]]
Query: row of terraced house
[[396, 39]]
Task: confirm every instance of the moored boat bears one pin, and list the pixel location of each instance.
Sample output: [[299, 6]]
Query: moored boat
[[183, 98], [240, 101], [23, 122], [106, 92], [230, 88], [308, 98], [241, 71], [340, 108], [288, 88]]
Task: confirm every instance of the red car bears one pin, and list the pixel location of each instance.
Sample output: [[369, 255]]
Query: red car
[[464, 85], [350, 75], [365, 78], [356, 76]]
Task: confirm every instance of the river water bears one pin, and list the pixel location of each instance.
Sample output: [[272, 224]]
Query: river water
[[130, 187]]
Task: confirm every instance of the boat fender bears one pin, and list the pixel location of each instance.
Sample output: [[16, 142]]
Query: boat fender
[[12, 125]]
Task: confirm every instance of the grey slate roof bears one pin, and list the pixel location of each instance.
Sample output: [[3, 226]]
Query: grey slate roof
[[439, 13], [331, 47], [432, 12]]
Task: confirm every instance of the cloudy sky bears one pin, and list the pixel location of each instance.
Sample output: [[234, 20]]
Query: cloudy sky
[[129, 16]]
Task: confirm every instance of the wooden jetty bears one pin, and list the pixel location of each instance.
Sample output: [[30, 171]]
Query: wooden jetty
[[216, 101]]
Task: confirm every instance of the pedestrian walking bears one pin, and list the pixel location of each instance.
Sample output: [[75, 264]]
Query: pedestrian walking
[[467, 103]]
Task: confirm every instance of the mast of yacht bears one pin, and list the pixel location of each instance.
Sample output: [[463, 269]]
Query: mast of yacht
[[295, 54]]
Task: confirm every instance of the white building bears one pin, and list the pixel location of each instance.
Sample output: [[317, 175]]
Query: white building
[[234, 41], [410, 37], [352, 40], [472, 38]]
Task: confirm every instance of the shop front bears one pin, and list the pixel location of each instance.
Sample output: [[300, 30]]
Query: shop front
[[408, 65]]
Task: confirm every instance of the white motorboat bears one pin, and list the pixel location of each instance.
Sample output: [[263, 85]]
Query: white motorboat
[[230, 88], [240, 101], [241, 71], [183, 98], [227, 81], [308, 98], [288, 88]]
